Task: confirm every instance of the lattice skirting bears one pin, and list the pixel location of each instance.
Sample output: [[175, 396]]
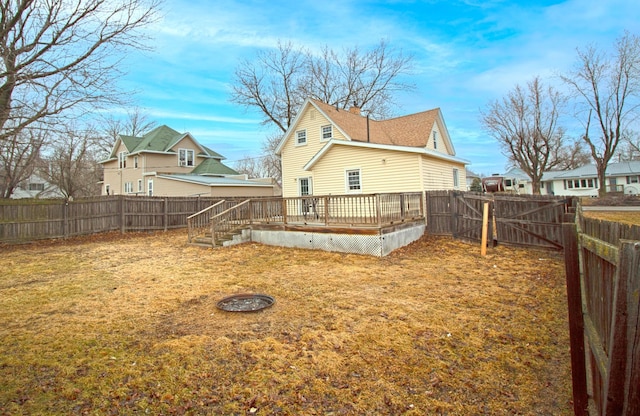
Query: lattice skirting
[[373, 245]]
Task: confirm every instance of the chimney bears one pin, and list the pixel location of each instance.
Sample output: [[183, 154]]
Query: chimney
[[355, 109]]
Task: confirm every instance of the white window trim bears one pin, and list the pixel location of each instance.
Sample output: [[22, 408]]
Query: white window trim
[[128, 187], [346, 181], [186, 158], [140, 185], [435, 140], [305, 137], [310, 184], [135, 162], [107, 189], [150, 187], [122, 160], [322, 138], [456, 178]]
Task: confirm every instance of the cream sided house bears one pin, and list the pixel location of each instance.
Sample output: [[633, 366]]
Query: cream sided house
[[623, 177], [331, 151], [165, 162]]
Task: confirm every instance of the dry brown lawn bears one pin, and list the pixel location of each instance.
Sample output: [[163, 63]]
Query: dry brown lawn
[[625, 217], [127, 324]]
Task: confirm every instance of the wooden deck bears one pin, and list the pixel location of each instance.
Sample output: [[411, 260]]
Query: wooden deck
[[373, 214]]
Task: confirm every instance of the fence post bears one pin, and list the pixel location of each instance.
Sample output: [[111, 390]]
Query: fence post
[[379, 210], [65, 219], [576, 322], [166, 214], [452, 208], [122, 215]]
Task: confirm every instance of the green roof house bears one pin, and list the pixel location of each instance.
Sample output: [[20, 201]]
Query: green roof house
[[165, 162]]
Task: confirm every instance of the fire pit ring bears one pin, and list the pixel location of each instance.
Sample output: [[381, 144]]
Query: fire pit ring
[[245, 302]]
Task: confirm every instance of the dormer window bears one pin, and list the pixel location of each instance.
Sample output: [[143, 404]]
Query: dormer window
[[186, 157], [327, 132], [435, 139]]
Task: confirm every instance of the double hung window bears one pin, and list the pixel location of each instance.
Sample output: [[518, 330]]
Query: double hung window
[[327, 132], [354, 183], [186, 157]]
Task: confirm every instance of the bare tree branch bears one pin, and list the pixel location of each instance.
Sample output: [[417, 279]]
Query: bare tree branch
[[62, 55]]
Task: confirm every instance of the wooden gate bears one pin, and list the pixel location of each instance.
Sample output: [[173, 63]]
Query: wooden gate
[[467, 210], [529, 220], [525, 220]]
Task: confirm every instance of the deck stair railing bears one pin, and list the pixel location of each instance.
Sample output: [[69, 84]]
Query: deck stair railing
[[230, 221], [199, 224]]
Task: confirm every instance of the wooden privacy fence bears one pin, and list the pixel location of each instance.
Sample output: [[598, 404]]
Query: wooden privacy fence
[[602, 261], [43, 219], [524, 220]]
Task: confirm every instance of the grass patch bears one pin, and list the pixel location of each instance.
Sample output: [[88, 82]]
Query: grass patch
[[121, 324], [625, 217]]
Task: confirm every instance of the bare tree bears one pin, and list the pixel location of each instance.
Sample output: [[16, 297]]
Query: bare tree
[[573, 155], [608, 86], [266, 165], [271, 84], [73, 166], [58, 56], [18, 156], [367, 79], [277, 82], [525, 123]]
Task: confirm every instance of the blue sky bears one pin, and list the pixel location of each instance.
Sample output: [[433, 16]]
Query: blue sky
[[465, 54]]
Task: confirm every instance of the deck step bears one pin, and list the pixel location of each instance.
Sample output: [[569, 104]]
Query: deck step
[[205, 240]]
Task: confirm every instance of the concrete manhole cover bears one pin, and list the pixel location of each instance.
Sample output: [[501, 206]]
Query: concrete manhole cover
[[245, 302]]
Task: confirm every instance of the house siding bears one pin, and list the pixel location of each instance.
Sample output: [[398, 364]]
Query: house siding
[[168, 187], [438, 175], [294, 156], [380, 171]]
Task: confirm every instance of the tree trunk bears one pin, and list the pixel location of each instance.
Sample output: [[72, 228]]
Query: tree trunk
[[601, 167]]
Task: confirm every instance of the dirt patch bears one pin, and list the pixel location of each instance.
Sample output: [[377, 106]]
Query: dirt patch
[[122, 325]]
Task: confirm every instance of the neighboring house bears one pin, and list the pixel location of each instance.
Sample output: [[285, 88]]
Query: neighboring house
[[36, 187], [330, 151], [471, 176], [165, 162], [621, 177]]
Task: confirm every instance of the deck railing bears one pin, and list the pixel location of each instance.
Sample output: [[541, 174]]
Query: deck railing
[[339, 210], [371, 210]]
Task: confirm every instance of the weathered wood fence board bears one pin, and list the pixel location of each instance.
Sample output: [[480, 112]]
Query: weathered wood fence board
[[439, 208], [530, 220], [467, 212], [524, 220], [606, 279], [37, 220]]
